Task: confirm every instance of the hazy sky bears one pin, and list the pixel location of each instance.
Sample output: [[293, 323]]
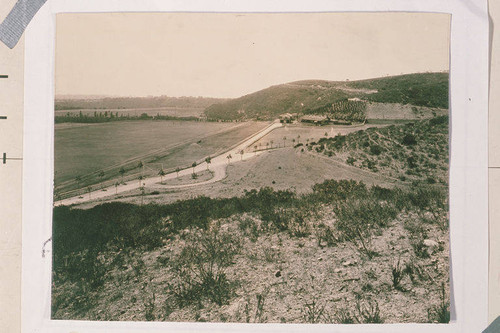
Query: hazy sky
[[230, 55]]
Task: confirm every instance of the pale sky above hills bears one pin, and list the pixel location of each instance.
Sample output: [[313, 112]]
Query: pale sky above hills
[[230, 55]]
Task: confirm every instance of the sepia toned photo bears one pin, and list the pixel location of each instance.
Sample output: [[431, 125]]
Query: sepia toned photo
[[251, 168]]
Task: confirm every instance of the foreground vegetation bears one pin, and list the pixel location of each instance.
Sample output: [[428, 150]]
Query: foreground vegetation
[[244, 258]]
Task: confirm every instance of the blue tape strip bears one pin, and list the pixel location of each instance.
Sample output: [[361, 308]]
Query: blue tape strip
[[494, 326], [13, 26]]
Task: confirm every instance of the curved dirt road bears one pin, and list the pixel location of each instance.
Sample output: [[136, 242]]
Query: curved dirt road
[[218, 166]]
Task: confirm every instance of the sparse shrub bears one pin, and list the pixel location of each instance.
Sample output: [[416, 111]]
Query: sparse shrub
[[325, 234], [371, 274], [167, 308], [420, 249], [409, 140], [440, 313], [411, 269], [249, 228], [367, 287], [397, 275], [313, 312], [368, 312], [344, 316], [201, 265], [358, 219], [270, 254], [149, 308], [428, 199], [350, 160], [259, 311], [375, 150]]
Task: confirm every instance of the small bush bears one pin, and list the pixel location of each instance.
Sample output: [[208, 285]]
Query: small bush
[[409, 140], [201, 265], [420, 249], [368, 313], [440, 313], [350, 160], [397, 275], [375, 150], [344, 316], [313, 312], [149, 308], [325, 234]]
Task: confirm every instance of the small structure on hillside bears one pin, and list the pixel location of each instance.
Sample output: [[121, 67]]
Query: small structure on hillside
[[288, 117]]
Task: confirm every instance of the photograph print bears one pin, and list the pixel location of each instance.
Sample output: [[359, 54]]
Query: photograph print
[[251, 168]]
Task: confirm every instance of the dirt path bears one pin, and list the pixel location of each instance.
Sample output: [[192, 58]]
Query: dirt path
[[218, 166]]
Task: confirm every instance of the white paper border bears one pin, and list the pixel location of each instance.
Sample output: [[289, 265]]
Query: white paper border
[[468, 163]]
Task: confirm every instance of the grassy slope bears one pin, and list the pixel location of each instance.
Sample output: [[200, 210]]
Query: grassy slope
[[426, 89]]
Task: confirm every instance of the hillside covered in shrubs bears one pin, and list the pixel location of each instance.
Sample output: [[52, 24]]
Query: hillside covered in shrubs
[[416, 151]]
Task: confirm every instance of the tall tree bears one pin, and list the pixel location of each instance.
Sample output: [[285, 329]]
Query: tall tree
[[140, 165], [161, 173], [101, 176], [78, 180], [208, 160], [122, 172]]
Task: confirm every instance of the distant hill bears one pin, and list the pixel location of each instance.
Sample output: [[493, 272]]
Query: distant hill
[[93, 102], [425, 89]]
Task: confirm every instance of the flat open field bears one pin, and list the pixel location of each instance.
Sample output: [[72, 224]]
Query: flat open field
[[165, 111], [85, 150]]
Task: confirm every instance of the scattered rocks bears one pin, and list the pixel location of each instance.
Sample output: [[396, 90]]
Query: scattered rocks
[[349, 263], [431, 245]]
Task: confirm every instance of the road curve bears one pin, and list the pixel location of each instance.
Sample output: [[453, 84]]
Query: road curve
[[218, 165]]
